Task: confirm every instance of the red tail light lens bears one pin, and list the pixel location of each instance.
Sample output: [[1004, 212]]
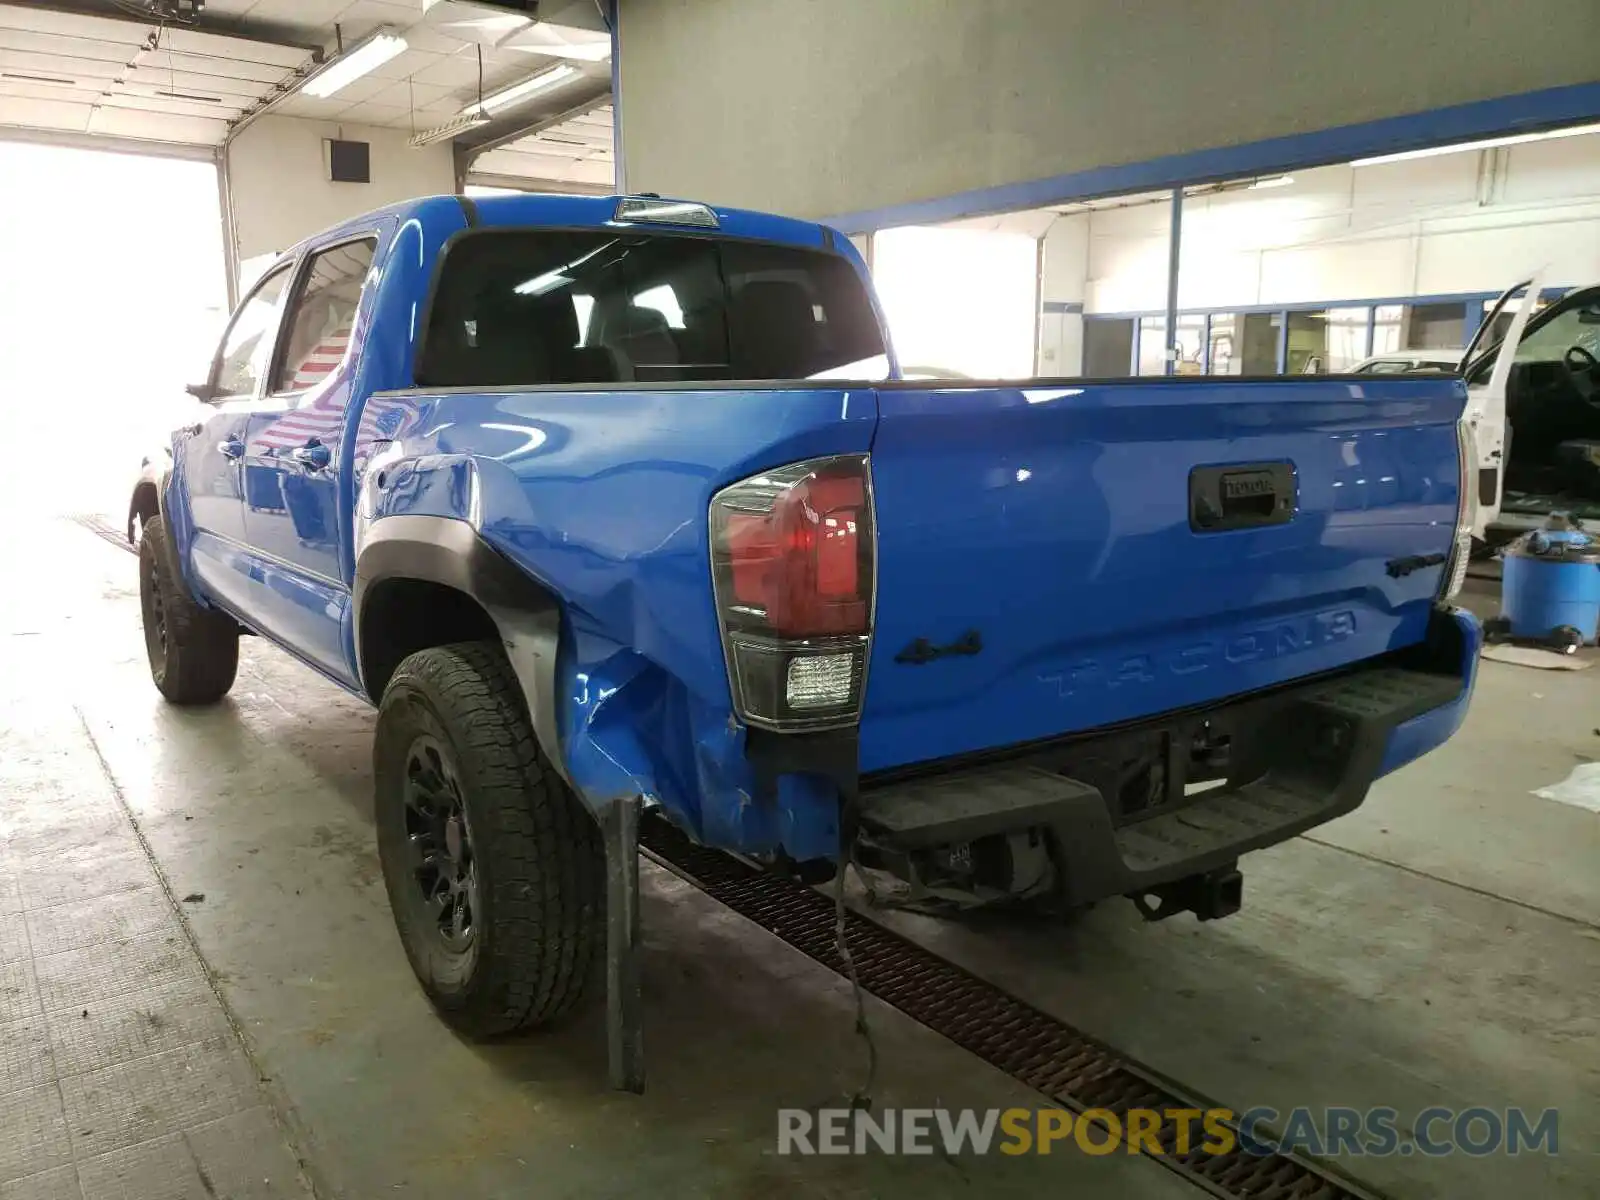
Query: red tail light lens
[[794, 560], [792, 556]]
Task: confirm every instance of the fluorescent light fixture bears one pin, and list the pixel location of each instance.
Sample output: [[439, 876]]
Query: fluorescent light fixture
[[518, 92], [449, 129], [361, 59], [1514, 139], [1273, 181]]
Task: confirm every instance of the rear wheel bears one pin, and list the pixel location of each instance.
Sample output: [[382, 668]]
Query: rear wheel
[[495, 871], [193, 651]]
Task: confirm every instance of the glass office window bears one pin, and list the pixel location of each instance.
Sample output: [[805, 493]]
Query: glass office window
[[1347, 338], [1308, 344], [1107, 347], [1191, 344], [1435, 326], [1225, 358], [1388, 328], [1258, 343], [1153, 346]]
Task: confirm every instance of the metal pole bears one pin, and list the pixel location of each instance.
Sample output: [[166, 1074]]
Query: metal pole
[[1174, 247], [613, 21]]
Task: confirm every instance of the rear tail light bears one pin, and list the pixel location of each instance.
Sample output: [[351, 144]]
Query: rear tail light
[[1455, 568], [793, 562]]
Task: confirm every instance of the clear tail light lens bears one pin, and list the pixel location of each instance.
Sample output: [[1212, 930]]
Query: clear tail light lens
[[1455, 569], [792, 557]]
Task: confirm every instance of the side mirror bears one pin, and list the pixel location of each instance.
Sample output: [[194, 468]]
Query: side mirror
[[202, 392]]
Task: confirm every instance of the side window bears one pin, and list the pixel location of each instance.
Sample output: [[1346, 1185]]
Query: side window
[[323, 315], [245, 347]]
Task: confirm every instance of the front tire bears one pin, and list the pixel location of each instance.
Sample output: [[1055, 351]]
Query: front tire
[[495, 871], [193, 651]]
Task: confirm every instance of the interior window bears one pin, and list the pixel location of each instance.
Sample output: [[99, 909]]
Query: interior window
[[242, 359], [525, 308], [324, 315]]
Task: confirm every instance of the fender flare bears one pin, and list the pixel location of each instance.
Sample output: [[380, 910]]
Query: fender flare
[[448, 551]]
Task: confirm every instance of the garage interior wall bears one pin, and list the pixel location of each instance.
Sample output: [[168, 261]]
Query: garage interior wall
[[1468, 223], [281, 192], [976, 95]]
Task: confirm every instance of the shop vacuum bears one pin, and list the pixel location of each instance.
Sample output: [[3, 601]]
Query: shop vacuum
[[1550, 587]]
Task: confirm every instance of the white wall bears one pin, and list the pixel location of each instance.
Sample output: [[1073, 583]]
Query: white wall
[[1465, 222], [281, 191]]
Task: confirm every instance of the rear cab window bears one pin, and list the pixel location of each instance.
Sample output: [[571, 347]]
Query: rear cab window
[[530, 307]]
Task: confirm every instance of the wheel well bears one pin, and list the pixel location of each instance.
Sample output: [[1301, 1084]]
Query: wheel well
[[401, 616], [144, 505]]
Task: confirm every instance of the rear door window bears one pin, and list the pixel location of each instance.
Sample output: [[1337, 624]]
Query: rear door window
[[323, 314], [519, 307]]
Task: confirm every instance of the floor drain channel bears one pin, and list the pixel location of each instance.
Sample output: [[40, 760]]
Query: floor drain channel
[[1071, 1068], [103, 528]]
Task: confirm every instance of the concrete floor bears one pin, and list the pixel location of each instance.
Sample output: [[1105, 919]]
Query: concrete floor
[[1439, 947]]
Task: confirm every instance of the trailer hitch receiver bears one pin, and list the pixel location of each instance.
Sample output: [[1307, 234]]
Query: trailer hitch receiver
[[1208, 896]]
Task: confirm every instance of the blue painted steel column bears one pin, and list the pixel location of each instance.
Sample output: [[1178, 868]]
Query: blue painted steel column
[[1174, 246], [618, 170]]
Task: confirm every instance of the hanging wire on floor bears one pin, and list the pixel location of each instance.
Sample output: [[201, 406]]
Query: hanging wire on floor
[[861, 1098]]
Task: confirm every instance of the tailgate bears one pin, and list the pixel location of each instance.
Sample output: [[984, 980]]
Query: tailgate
[[1055, 559]]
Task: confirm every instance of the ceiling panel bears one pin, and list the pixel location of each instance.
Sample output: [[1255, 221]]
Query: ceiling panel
[[367, 113], [312, 107]]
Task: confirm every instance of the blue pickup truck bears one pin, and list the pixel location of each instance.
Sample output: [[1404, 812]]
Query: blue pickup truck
[[621, 503]]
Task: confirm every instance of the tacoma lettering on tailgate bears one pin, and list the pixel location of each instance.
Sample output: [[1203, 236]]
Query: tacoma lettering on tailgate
[[1271, 641]]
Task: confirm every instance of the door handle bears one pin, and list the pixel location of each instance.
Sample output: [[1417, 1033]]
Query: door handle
[[230, 447], [313, 455]]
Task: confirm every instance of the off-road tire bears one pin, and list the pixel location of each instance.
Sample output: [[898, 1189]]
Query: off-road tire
[[539, 902], [193, 650]]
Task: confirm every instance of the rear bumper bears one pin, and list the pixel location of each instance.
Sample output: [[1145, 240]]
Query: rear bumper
[[1306, 755]]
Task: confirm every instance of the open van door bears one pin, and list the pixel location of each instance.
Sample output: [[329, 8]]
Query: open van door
[[1486, 400]]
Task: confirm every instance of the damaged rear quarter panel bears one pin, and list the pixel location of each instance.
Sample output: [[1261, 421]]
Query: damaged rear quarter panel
[[603, 497]]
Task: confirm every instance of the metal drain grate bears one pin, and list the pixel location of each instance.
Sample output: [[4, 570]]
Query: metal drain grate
[[1071, 1068], [102, 528]]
